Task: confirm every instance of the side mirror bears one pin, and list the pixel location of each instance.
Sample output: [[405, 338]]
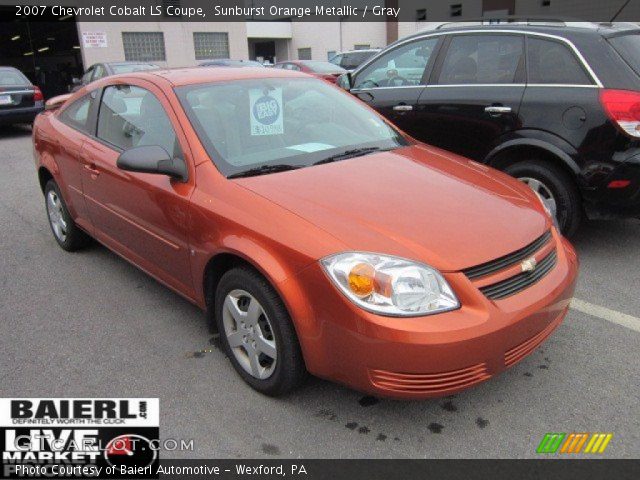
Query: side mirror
[[152, 159], [345, 81]]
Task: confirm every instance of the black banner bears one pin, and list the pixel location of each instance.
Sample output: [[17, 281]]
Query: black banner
[[316, 10]]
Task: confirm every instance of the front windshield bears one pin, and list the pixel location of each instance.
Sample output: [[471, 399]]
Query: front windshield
[[247, 124]]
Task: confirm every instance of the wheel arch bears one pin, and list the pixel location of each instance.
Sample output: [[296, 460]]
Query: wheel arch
[[515, 150], [44, 175]]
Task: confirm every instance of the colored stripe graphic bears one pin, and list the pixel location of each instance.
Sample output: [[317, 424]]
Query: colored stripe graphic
[[550, 442], [574, 442]]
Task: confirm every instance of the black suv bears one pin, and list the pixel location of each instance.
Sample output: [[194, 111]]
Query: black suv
[[557, 106]]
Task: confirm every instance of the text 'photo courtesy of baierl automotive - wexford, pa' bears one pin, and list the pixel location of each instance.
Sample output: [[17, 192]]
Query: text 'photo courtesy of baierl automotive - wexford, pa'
[[320, 239]]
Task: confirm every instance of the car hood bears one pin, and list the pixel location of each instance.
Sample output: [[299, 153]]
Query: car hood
[[417, 202]]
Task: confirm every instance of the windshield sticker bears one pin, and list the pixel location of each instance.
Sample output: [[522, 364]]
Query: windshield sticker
[[266, 111], [311, 147]]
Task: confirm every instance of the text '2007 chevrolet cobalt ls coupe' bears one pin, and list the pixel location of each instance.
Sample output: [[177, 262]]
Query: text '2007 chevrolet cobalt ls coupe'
[[315, 235]]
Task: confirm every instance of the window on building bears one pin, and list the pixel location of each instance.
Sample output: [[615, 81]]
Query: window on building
[[456, 10], [331, 54], [551, 62], [361, 46], [482, 59], [209, 45], [143, 46], [421, 15], [304, 54]]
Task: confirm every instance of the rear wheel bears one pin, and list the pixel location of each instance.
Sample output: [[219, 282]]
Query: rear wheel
[[555, 188], [65, 231], [256, 332]]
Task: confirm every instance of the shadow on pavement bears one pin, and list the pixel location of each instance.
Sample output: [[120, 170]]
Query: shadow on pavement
[[14, 131]]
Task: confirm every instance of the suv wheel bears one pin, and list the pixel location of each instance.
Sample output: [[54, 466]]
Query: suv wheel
[[556, 189], [65, 231], [256, 332]]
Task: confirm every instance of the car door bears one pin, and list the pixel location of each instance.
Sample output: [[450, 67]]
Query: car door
[[146, 217], [73, 125], [393, 82], [474, 93]]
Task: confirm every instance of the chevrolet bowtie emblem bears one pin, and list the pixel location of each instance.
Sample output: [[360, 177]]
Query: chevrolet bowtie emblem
[[529, 265]]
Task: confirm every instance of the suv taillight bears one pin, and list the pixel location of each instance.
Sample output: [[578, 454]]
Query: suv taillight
[[37, 94], [623, 106]]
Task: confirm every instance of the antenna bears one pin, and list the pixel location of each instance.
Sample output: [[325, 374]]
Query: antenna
[[619, 11]]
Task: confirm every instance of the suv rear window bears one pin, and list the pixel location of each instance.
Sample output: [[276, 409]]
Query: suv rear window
[[13, 77], [628, 46], [551, 62]]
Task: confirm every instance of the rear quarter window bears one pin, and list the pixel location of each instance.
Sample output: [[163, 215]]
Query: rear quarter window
[[76, 115], [628, 47], [553, 62]]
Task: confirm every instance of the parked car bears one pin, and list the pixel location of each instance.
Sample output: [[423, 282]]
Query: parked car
[[324, 70], [316, 235], [20, 100], [556, 107], [352, 59], [227, 62], [101, 70]]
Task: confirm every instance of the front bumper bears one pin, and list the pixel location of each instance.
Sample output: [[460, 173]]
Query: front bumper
[[20, 115], [435, 355]]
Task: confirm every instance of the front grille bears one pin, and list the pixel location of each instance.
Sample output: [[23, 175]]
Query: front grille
[[429, 383], [519, 282], [507, 260]]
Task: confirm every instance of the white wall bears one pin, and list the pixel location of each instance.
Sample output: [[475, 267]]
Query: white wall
[[178, 40], [323, 37]]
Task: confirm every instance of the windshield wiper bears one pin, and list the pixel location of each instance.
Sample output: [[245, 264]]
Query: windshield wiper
[[356, 152], [264, 169]]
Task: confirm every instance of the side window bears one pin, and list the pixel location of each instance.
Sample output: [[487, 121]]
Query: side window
[[76, 115], [131, 116], [98, 72], [400, 67], [551, 62], [86, 78], [292, 66], [481, 59], [336, 59]]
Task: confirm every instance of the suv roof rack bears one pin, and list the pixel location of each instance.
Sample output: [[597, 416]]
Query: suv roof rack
[[507, 19]]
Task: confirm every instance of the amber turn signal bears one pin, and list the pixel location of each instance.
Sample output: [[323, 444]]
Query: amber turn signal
[[362, 279]]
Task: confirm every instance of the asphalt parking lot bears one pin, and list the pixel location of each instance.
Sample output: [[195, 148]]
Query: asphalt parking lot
[[89, 324]]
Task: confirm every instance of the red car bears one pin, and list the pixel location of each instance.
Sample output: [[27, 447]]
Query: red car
[[324, 70], [315, 235]]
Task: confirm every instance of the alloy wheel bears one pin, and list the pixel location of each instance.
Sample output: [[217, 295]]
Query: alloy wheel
[[544, 193], [249, 334], [55, 210]]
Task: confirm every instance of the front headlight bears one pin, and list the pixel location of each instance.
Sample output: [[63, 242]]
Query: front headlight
[[390, 285]]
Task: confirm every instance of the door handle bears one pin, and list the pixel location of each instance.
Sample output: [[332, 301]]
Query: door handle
[[91, 168], [403, 108], [497, 109]]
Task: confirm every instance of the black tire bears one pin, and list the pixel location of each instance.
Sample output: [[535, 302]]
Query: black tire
[[561, 186], [289, 371], [74, 238]]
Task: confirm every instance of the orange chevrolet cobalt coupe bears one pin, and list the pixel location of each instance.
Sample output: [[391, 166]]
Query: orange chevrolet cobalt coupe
[[316, 236]]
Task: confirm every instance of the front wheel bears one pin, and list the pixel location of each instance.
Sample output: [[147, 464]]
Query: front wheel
[[257, 333], [555, 188]]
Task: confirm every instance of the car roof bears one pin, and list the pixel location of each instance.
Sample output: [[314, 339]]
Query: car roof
[[178, 77], [558, 28], [363, 50]]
